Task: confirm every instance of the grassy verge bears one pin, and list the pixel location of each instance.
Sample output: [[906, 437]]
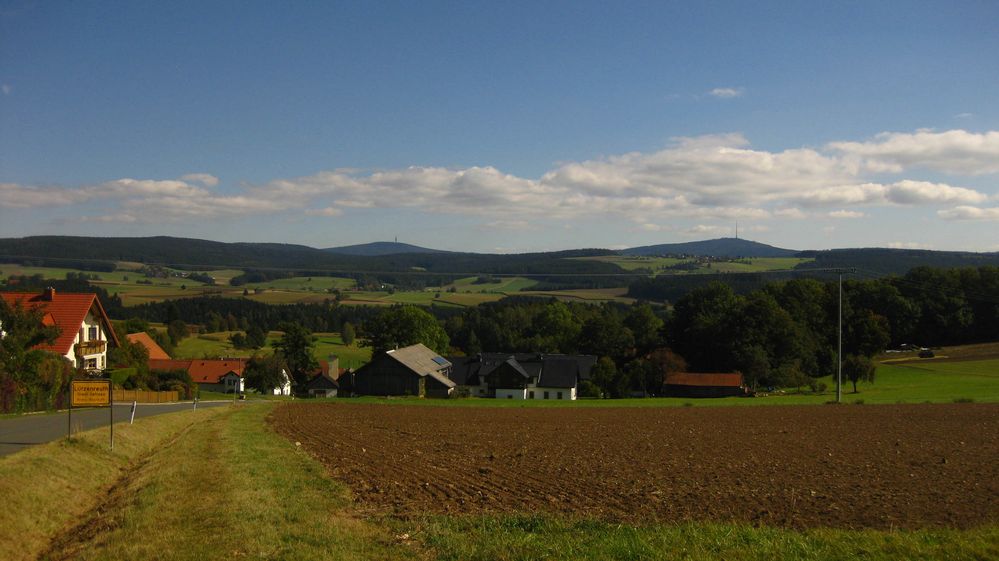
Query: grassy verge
[[228, 488], [45, 487], [530, 537]]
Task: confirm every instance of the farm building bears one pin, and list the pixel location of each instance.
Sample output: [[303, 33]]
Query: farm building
[[222, 375], [325, 381], [85, 332], [522, 376], [413, 370], [687, 384]]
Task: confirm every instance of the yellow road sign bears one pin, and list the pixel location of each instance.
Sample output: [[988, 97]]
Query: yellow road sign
[[91, 393]]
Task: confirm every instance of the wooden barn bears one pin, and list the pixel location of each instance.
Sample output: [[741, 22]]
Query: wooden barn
[[688, 384], [414, 370]]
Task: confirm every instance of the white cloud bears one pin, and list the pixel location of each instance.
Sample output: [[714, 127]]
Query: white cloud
[[328, 211], [846, 214], [205, 179], [969, 213], [700, 179], [726, 93], [955, 151], [705, 229], [6, 89], [790, 213], [964, 115]]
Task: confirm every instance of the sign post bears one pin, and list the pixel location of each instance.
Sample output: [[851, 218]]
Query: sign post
[[92, 393]]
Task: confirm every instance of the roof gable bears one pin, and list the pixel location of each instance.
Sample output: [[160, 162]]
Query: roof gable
[[66, 311]]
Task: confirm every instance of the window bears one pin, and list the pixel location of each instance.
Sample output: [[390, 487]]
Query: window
[[91, 364], [559, 395], [92, 335], [546, 395], [530, 394], [509, 396]]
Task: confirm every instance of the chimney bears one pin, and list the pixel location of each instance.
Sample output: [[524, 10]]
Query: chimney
[[334, 366], [48, 294]]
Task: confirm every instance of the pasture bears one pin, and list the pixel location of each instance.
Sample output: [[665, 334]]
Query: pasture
[[214, 345]]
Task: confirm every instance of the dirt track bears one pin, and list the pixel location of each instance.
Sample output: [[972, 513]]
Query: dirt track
[[846, 466]]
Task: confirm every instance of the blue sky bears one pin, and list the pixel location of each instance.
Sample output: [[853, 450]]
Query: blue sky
[[503, 126]]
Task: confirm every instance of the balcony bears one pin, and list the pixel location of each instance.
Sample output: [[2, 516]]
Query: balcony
[[91, 348]]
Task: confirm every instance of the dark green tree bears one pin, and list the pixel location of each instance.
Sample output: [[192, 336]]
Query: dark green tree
[[256, 337], [603, 374], [401, 326], [348, 333], [23, 330], [265, 372], [858, 368], [296, 347], [177, 330]]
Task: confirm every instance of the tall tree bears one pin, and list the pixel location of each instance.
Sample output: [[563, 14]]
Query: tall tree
[[348, 333], [401, 326], [296, 346], [265, 372], [23, 330]]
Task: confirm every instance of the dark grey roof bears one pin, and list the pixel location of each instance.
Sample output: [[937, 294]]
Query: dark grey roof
[[322, 382], [551, 370], [561, 372]]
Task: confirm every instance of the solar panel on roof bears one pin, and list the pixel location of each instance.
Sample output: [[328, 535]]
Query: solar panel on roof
[[440, 360]]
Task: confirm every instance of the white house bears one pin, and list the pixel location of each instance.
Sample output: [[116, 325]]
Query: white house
[[85, 332], [522, 376]]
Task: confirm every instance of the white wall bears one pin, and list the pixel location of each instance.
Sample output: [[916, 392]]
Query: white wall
[[567, 393], [89, 321], [511, 394]]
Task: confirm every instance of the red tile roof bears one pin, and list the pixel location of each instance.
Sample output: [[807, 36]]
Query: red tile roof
[[202, 371], [155, 351], [733, 380], [65, 310]]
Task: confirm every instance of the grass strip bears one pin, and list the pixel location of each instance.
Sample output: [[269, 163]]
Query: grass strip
[[231, 489], [536, 537], [47, 487]]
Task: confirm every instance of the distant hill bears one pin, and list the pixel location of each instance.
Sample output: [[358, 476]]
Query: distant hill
[[381, 248], [721, 247], [884, 261]]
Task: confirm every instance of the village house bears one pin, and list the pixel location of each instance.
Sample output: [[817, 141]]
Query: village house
[[85, 332], [522, 376], [222, 375], [324, 382], [414, 370]]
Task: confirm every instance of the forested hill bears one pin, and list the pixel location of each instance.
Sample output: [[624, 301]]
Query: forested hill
[[883, 261], [204, 254], [721, 247], [381, 248]]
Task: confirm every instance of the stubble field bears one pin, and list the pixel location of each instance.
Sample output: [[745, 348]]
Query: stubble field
[[851, 466]]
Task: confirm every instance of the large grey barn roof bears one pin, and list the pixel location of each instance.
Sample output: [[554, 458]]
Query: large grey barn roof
[[423, 361]]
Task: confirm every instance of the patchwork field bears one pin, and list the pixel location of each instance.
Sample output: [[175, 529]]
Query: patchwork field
[[880, 467]]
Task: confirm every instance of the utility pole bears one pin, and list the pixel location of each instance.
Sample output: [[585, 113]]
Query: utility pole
[[839, 353]]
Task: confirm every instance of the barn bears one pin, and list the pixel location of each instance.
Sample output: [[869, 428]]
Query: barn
[[689, 384], [414, 370]]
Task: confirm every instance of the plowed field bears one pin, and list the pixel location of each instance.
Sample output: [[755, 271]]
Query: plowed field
[[849, 466]]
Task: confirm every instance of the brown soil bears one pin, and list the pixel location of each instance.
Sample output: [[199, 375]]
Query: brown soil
[[846, 466]]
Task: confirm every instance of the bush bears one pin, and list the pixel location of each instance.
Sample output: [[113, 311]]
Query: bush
[[588, 389], [964, 400]]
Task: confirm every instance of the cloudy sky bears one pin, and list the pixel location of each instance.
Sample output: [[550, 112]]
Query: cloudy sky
[[503, 127]]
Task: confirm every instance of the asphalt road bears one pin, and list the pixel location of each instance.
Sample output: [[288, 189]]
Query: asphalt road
[[18, 433]]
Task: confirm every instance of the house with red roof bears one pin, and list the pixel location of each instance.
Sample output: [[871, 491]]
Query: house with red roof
[[215, 375], [85, 331]]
